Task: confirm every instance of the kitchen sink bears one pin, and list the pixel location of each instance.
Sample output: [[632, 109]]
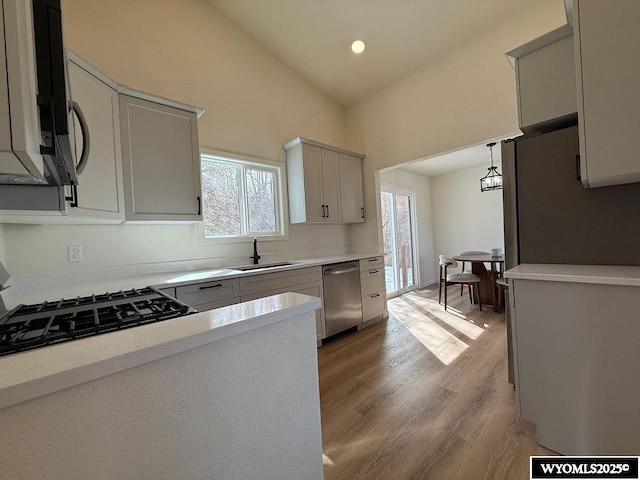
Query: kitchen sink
[[251, 268]]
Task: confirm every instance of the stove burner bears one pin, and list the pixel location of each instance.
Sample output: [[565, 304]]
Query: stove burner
[[47, 323]]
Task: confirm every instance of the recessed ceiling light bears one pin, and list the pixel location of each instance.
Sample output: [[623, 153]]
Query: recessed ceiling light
[[358, 46]]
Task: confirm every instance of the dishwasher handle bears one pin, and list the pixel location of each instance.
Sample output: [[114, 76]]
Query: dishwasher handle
[[340, 272]]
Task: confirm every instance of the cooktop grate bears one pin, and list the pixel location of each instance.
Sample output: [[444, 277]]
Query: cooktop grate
[[38, 325]]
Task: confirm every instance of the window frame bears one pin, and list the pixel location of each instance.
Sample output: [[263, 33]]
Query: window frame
[[282, 219]]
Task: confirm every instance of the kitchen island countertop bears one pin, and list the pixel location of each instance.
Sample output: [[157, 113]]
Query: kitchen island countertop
[[38, 372]]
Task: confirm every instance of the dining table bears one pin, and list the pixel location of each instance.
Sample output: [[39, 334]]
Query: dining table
[[488, 277]]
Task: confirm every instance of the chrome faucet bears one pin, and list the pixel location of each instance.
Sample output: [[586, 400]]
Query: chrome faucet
[[255, 256]]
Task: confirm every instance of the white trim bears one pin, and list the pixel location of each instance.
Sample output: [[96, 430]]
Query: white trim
[[282, 219], [297, 140], [414, 232]]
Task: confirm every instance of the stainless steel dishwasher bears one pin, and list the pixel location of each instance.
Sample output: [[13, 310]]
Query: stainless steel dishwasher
[[342, 300]]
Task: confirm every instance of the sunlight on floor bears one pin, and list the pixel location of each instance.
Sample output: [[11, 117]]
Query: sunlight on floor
[[441, 343], [327, 461], [427, 321]]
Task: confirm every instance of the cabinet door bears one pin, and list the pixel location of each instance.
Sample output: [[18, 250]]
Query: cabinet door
[[161, 162], [608, 73], [20, 135], [351, 191], [100, 193], [331, 185], [313, 193], [546, 84]]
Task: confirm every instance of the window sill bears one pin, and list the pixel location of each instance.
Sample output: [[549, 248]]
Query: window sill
[[241, 239]]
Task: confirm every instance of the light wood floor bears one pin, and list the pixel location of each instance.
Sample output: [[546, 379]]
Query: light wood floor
[[423, 395]]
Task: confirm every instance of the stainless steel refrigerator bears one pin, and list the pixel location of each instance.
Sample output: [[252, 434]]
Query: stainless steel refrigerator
[[549, 217]]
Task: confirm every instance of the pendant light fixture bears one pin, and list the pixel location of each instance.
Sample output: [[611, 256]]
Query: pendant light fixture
[[492, 180]]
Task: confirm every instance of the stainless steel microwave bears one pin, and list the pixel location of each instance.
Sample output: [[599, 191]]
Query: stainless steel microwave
[[36, 111]]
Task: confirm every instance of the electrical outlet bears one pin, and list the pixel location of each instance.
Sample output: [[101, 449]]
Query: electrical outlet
[[75, 253]]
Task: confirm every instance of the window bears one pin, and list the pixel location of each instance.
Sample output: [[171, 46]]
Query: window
[[240, 198]]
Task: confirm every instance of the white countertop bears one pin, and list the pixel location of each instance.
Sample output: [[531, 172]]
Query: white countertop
[[36, 288], [602, 274], [37, 372]]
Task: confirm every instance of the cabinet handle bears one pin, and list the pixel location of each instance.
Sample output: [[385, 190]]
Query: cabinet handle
[[362, 212], [210, 286], [199, 205], [375, 259], [373, 272], [74, 196], [328, 215], [375, 295], [323, 211]]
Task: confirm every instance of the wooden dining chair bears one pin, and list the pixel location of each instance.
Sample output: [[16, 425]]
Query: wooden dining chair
[[470, 252], [463, 279]]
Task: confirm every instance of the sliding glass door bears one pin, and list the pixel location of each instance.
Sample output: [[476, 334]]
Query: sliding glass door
[[397, 235]]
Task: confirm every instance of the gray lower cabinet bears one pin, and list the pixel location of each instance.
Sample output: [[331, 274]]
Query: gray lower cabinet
[[576, 361], [303, 280], [372, 288], [208, 295]]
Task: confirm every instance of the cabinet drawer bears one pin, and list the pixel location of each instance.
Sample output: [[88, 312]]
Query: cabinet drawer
[[372, 306], [208, 292], [371, 281], [218, 304], [267, 282], [372, 263]]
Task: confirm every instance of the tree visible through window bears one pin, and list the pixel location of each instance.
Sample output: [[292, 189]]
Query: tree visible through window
[[239, 198]]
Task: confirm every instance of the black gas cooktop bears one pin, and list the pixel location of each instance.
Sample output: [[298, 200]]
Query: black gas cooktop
[[32, 326]]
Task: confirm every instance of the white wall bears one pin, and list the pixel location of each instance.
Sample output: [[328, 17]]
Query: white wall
[[464, 218], [420, 186], [188, 51], [460, 99]]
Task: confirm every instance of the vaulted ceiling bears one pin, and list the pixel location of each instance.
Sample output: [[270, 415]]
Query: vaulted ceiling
[[313, 36]]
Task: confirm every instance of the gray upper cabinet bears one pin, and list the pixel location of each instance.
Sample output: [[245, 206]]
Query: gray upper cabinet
[[99, 191], [351, 188], [325, 183], [545, 80], [143, 166], [161, 161], [608, 74]]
